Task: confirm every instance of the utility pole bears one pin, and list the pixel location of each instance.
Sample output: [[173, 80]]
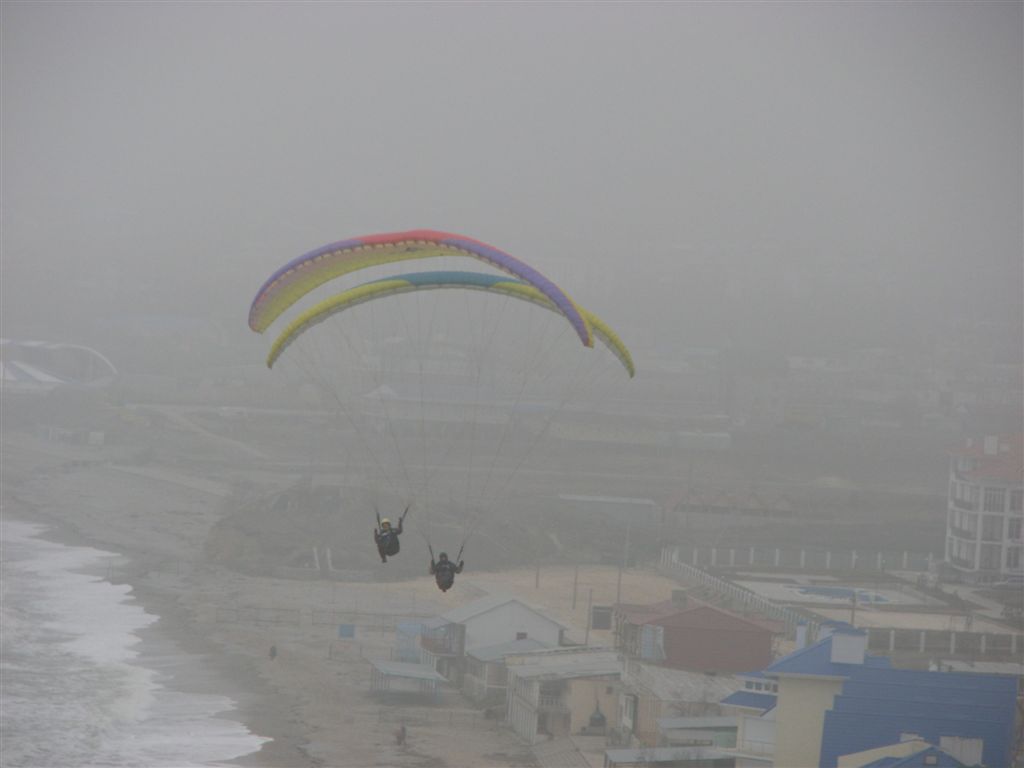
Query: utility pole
[[625, 560], [575, 580], [590, 614]]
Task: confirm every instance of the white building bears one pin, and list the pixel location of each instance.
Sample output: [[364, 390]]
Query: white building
[[986, 514], [485, 677], [489, 621], [556, 693], [500, 619]]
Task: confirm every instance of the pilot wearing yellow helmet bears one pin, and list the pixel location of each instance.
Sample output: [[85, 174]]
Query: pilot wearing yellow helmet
[[386, 536]]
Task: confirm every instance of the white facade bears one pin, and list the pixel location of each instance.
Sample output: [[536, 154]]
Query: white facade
[[986, 510], [755, 735], [500, 620]]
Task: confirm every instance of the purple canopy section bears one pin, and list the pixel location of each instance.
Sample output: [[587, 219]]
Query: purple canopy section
[[412, 241]]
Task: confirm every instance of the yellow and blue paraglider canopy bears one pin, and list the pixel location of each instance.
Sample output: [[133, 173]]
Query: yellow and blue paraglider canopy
[[422, 281]]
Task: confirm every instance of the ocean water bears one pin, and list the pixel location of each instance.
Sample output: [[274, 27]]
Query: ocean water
[[75, 689]]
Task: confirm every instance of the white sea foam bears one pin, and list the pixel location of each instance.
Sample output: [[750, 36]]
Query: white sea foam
[[76, 691]]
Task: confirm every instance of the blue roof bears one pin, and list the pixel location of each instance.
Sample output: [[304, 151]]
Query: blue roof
[[761, 701], [917, 760], [816, 659], [878, 703], [902, 687], [871, 713], [947, 707]]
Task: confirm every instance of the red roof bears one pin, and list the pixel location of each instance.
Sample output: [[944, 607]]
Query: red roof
[[711, 617], [637, 614], [694, 613], [1003, 460]]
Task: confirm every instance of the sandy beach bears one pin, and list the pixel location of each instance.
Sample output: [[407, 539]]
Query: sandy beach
[[313, 698]]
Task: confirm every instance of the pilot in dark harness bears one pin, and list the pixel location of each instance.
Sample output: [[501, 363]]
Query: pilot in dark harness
[[444, 570], [386, 536]]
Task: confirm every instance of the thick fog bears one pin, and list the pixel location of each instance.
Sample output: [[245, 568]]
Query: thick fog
[[803, 221], [807, 178]]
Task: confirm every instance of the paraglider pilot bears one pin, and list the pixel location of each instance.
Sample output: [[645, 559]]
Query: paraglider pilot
[[444, 570], [386, 536]]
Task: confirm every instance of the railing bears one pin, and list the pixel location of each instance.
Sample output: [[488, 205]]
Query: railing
[[551, 703], [970, 506], [757, 747], [964, 562], [963, 533], [947, 642], [803, 558], [670, 562]]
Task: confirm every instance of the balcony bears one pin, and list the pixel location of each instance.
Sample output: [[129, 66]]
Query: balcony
[[549, 703], [963, 562], [969, 506], [963, 533]]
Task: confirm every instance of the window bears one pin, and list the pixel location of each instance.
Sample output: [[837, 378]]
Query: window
[[1013, 558], [520, 635], [965, 496], [1013, 528], [995, 500], [990, 556], [963, 551], [970, 523], [1016, 500], [992, 527]]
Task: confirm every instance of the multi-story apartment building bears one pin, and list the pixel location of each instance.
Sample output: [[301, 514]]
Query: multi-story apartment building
[[986, 509]]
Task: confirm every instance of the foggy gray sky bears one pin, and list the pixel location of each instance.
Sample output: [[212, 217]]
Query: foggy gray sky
[[830, 165]]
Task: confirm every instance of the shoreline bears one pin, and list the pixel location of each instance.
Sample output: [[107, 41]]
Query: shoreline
[[198, 666], [315, 701]]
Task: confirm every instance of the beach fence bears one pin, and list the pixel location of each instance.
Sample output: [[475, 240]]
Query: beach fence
[[805, 558], [948, 643]]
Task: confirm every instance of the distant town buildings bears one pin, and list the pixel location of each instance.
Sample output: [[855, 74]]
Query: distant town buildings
[[986, 509], [664, 695]]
